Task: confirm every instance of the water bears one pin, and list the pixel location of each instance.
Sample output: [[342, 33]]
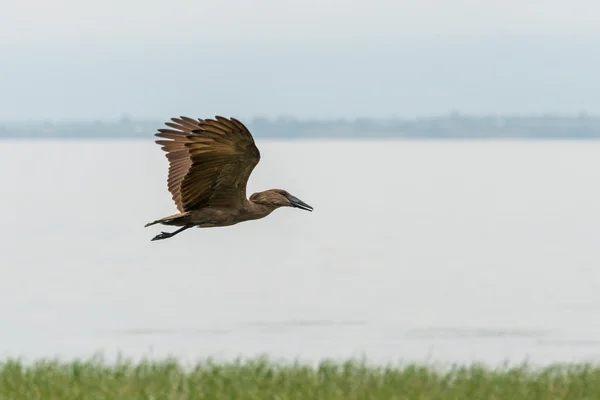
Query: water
[[439, 251]]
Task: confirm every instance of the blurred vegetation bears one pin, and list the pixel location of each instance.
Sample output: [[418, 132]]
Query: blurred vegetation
[[443, 127], [262, 379]]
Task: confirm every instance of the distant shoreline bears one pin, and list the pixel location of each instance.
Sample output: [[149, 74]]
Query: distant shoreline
[[444, 127], [7, 139]]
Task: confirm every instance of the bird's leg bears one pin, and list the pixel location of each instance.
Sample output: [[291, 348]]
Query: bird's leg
[[166, 235]]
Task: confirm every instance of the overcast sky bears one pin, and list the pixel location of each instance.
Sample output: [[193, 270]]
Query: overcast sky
[[326, 59]]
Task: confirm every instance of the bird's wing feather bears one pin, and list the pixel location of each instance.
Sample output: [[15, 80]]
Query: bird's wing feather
[[210, 161]]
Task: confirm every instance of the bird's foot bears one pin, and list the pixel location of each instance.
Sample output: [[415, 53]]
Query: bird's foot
[[162, 235]]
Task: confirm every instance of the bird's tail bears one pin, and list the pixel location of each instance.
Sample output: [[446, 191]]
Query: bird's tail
[[176, 219]]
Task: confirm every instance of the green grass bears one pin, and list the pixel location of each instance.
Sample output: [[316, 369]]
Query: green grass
[[262, 379]]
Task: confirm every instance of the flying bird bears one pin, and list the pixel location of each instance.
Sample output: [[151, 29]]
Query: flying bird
[[210, 161]]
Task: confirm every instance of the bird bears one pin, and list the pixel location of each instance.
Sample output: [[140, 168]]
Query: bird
[[210, 161]]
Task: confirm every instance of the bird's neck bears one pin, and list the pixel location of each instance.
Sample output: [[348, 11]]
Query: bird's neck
[[257, 210]]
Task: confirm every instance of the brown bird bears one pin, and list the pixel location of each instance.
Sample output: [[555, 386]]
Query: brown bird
[[210, 161]]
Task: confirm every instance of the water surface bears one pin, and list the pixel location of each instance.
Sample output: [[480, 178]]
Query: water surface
[[444, 251]]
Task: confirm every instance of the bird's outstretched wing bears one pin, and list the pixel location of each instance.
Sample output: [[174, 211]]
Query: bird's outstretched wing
[[210, 161]]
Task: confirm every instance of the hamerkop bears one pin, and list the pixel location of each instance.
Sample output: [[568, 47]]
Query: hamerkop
[[210, 161]]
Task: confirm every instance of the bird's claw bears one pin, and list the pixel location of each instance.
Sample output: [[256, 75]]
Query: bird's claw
[[163, 235]]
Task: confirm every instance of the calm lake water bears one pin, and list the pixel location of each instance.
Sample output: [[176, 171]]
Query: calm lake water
[[438, 251]]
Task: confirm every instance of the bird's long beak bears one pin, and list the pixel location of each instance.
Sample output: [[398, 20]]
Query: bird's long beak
[[296, 202]]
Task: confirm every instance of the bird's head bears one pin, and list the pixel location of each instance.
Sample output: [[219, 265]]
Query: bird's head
[[279, 198]]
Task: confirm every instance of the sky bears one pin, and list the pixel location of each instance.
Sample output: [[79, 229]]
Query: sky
[[69, 59]]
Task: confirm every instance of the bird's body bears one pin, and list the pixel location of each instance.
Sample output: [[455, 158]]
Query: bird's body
[[210, 162], [208, 217]]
